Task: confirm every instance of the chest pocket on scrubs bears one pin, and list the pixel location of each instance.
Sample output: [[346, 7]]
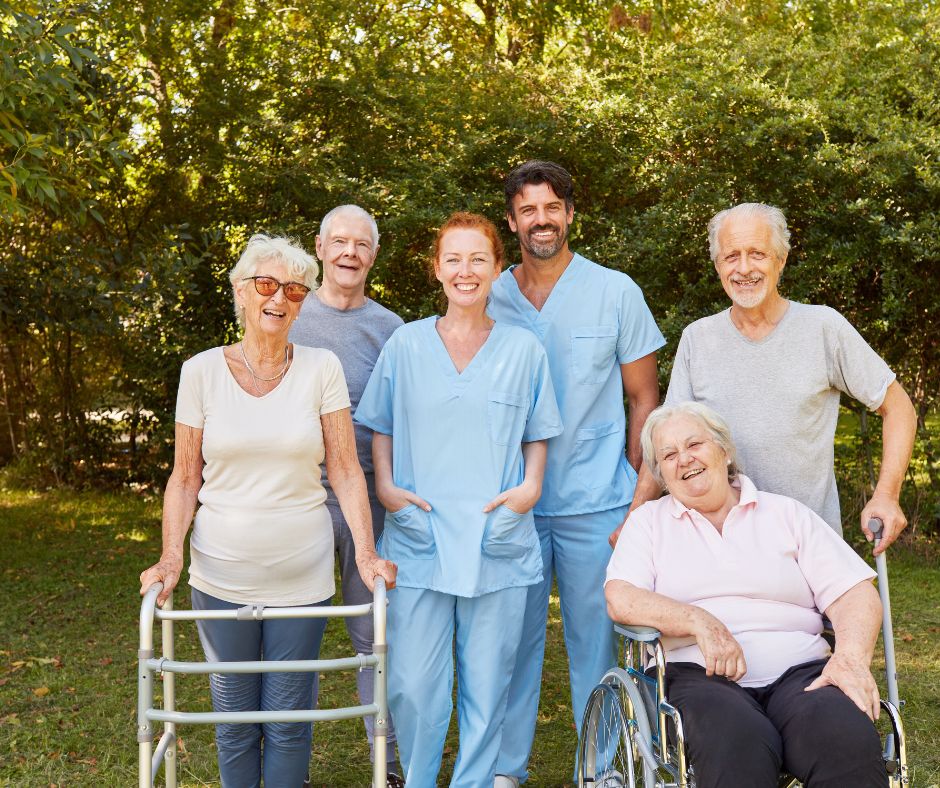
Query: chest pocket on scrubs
[[507, 534], [507, 413], [593, 351], [409, 534]]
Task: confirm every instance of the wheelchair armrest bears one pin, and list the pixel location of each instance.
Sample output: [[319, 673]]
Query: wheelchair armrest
[[638, 632]]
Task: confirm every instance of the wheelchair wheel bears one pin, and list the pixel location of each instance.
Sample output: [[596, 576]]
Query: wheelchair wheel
[[615, 747]]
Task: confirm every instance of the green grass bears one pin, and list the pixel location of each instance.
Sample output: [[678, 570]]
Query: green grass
[[68, 640]]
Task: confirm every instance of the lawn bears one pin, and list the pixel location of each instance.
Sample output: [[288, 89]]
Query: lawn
[[68, 640]]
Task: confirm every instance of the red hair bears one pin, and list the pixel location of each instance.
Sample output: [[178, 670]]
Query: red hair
[[464, 220]]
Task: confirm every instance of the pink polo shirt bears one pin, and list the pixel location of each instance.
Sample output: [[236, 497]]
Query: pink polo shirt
[[767, 576]]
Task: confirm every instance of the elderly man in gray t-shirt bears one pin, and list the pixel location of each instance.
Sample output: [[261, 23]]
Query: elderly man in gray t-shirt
[[775, 369], [339, 317]]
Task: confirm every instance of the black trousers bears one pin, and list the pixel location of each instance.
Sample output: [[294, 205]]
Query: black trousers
[[744, 736]]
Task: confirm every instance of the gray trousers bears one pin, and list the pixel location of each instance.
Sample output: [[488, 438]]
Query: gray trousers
[[355, 593]]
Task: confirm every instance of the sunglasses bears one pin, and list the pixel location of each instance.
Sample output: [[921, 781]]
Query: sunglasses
[[267, 286]]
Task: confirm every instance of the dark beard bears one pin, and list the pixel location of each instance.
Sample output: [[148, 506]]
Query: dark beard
[[544, 251]]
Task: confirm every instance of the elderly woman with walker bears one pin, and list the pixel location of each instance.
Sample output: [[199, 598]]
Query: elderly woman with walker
[[461, 409], [254, 421]]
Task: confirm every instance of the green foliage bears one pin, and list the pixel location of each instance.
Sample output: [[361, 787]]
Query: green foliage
[[181, 128]]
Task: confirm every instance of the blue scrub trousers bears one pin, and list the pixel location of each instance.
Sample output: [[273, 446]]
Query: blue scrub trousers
[[286, 744], [576, 549], [422, 625]]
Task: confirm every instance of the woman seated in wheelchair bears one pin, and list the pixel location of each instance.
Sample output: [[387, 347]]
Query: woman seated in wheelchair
[[737, 581]]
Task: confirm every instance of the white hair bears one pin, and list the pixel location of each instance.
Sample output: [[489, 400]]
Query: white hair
[[356, 211], [301, 267], [717, 428], [773, 216]]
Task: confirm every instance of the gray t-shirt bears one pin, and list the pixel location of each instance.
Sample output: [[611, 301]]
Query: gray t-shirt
[[780, 395], [356, 336]]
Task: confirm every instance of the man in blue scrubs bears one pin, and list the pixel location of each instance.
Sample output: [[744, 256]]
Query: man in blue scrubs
[[601, 342]]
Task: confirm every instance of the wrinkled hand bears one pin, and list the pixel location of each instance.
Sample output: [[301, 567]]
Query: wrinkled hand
[[370, 566], [723, 654], [518, 499], [396, 498], [166, 571], [854, 678], [889, 511]]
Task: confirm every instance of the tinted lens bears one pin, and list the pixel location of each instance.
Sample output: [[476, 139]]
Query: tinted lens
[[266, 286], [295, 291]]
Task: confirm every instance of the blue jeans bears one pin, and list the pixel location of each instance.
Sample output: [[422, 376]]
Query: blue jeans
[[286, 745]]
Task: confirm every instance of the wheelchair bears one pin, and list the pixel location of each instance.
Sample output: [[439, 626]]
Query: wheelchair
[[632, 736]]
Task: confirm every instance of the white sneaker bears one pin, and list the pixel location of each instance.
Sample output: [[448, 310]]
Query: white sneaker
[[505, 781]]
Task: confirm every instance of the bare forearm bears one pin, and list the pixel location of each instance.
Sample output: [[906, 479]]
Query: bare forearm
[[349, 484], [647, 488], [856, 619], [347, 479], [627, 604], [535, 455], [899, 424], [382, 460], [179, 506]]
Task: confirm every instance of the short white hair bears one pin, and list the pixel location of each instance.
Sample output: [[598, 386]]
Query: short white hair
[[771, 214], [301, 267], [356, 211], [717, 428]]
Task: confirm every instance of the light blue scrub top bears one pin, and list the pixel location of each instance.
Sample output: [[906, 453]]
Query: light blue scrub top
[[457, 442], [594, 320]]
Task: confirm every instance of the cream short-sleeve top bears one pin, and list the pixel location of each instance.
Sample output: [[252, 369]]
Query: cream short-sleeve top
[[262, 534]]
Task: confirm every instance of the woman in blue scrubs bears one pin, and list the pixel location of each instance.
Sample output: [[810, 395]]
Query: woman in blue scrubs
[[461, 409]]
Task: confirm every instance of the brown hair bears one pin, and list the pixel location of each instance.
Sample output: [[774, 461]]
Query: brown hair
[[463, 220]]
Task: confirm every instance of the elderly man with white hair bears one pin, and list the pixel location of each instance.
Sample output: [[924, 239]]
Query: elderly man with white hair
[[775, 370], [340, 317]]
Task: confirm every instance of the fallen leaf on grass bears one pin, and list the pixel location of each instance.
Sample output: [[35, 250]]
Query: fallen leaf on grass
[[41, 692], [105, 661]]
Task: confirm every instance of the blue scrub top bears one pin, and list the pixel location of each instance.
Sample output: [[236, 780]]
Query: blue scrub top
[[594, 320], [457, 442]]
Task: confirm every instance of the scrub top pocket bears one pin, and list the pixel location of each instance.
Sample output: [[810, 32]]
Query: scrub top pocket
[[598, 454], [593, 350], [408, 534], [507, 534], [507, 414]]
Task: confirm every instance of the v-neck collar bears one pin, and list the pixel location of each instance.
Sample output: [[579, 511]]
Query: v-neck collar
[[553, 303], [460, 380]]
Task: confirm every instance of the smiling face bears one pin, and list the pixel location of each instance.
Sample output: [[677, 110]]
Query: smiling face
[[693, 466], [540, 219], [466, 266], [347, 253], [267, 315], [747, 263]]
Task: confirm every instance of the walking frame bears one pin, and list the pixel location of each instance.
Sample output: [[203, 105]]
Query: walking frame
[[149, 664]]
